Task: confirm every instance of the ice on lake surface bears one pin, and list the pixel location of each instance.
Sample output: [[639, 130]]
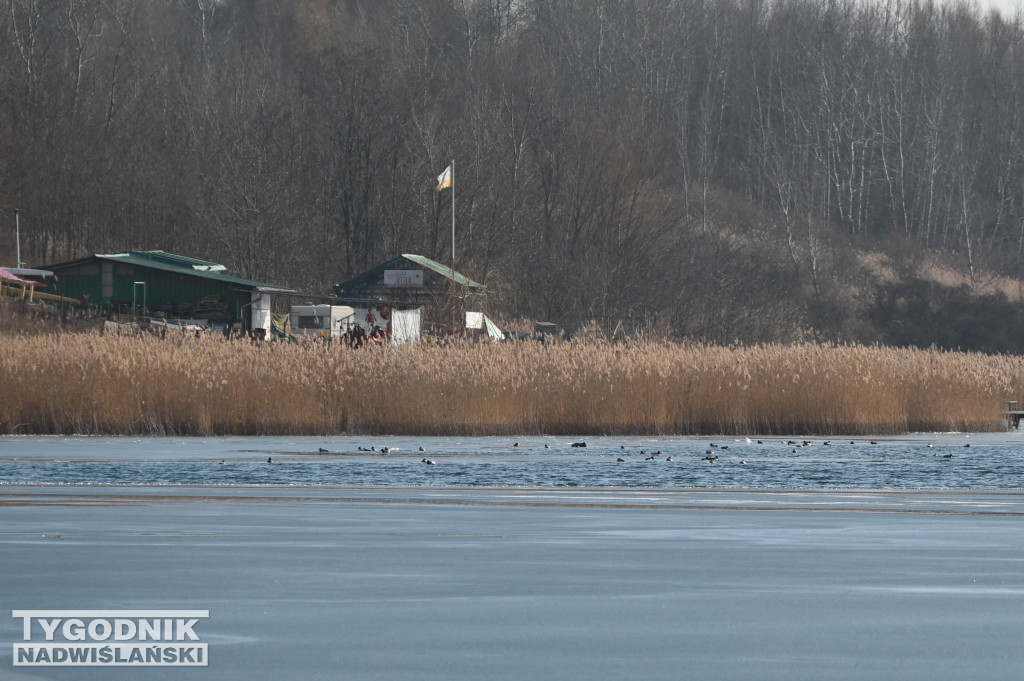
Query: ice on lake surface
[[442, 579]]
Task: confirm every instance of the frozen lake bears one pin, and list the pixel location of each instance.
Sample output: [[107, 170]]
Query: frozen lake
[[356, 583], [305, 578]]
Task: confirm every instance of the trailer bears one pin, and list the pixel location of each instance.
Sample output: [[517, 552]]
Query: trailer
[[326, 321]]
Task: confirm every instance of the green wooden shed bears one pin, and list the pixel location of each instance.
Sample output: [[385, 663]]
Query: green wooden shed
[[165, 284], [447, 296]]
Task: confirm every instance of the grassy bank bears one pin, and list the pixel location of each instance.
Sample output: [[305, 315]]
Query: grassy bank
[[89, 383]]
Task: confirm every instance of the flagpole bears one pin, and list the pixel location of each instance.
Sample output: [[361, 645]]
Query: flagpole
[[17, 238], [454, 317]]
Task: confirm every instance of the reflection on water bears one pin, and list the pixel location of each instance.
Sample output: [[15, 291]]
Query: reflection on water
[[943, 461]]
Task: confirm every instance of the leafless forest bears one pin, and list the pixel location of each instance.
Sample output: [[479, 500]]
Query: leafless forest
[[761, 171]]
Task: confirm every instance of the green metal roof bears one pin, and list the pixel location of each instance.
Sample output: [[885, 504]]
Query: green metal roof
[[180, 264], [443, 270], [175, 259], [374, 273]]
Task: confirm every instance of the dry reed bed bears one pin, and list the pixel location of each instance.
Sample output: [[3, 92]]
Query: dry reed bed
[[88, 383]]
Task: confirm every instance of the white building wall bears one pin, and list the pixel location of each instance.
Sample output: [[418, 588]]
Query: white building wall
[[261, 312]]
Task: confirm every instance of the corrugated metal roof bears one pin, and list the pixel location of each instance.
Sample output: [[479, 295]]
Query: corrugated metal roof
[[169, 262], [8, 276], [28, 272]]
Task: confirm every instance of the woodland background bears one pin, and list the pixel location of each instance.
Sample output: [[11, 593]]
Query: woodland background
[[721, 170]]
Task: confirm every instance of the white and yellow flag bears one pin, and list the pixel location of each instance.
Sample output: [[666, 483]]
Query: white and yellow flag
[[444, 180]]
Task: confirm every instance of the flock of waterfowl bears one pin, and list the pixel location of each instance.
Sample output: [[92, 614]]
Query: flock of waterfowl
[[711, 453]]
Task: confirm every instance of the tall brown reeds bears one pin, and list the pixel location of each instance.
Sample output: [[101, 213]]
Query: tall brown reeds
[[88, 383]]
